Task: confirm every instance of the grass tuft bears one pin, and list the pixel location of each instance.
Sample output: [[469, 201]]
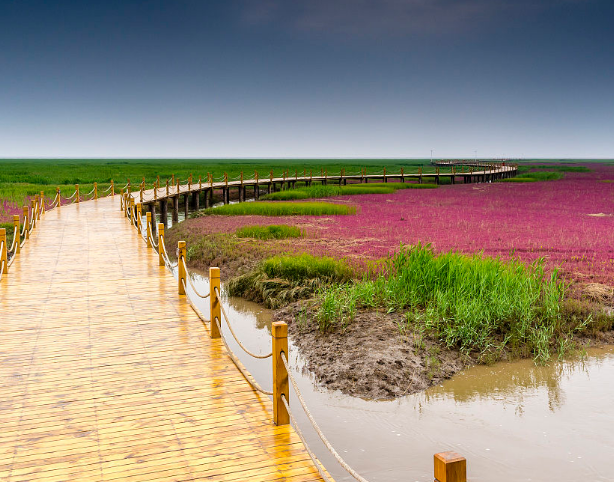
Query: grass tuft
[[275, 231], [480, 305], [282, 279], [321, 191], [280, 209], [518, 179]]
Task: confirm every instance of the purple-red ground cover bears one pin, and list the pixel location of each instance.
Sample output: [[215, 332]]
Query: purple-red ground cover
[[569, 222]]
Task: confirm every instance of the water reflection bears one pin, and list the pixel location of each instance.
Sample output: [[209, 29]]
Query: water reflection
[[513, 421]]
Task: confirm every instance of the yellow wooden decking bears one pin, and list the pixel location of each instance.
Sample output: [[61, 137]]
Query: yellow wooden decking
[[107, 374]]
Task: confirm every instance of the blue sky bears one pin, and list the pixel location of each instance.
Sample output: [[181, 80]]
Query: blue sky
[[307, 78]]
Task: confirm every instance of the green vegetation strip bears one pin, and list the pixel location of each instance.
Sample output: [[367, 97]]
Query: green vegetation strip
[[480, 305], [9, 233], [20, 178], [275, 231], [280, 209], [282, 279], [518, 179], [321, 191]]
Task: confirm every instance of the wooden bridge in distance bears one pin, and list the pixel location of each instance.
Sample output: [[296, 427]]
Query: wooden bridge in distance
[[109, 375], [162, 198]]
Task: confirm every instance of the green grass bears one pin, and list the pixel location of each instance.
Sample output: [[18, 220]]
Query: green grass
[[518, 179], [275, 231], [286, 278], [305, 266], [9, 233], [320, 191], [554, 167], [280, 209], [480, 305], [534, 176], [20, 178]]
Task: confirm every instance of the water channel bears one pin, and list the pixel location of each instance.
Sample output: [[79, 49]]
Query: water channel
[[512, 421]]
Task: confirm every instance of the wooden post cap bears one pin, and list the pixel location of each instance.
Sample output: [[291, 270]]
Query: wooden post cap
[[214, 272], [279, 329], [450, 467]]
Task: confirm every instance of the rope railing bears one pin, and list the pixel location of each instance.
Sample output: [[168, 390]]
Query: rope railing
[[239, 365], [282, 373], [254, 355], [314, 424], [192, 283]]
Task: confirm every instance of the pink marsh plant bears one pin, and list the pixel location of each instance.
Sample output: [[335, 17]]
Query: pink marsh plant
[[569, 222]]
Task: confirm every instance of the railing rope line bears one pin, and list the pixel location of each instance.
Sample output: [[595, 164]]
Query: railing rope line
[[192, 283], [328, 445], [261, 357], [239, 365]]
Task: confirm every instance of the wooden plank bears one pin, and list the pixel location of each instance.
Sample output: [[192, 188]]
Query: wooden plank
[[110, 375]]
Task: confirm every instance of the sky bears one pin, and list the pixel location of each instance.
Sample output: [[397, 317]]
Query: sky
[[307, 78]]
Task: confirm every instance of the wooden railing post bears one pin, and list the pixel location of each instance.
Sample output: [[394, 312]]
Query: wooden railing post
[[385, 178], [200, 183], [132, 211], [42, 202], [4, 259], [139, 214], [95, 190], [167, 192], [77, 193], [38, 207], [450, 467], [279, 331], [112, 188], [58, 196], [33, 212], [226, 179], [148, 229], [214, 301], [141, 193], [26, 221], [181, 278], [160, 244], [16, 233]]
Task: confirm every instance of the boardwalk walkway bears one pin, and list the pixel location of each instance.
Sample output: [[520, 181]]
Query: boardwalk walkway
[[108, 375]]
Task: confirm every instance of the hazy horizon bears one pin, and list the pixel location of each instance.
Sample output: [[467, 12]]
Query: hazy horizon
[[307, 79]]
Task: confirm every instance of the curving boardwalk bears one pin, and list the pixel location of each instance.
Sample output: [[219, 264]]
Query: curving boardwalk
[[108, 375]]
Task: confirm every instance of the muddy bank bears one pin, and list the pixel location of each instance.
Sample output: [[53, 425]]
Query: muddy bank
[[371, 358], [374, 358]]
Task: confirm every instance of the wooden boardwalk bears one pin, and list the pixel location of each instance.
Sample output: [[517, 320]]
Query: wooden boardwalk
[[107, 374]]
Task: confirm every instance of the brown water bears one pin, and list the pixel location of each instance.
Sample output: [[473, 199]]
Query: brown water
[[512, 421]]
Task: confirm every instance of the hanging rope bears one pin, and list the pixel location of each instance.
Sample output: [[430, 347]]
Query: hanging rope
[[196, 310], [313, 457], [187, 274], [235, 336], [239, 365], [331, 449]]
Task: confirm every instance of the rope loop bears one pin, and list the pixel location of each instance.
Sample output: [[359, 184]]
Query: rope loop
[[235, 336], [330, 448], [239, 365]]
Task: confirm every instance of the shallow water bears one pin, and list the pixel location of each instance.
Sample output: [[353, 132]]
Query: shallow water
[[512, 421]]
